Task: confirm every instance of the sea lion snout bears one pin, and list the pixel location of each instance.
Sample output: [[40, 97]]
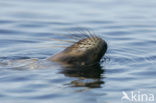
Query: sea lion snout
[[87, 51]]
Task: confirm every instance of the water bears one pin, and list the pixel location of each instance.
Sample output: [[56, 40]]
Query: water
[[27, 28]]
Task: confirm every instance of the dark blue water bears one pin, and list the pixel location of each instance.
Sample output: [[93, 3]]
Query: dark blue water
[[27, 29]]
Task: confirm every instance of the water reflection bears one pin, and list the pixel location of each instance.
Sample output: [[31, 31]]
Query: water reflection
[[86, 76]]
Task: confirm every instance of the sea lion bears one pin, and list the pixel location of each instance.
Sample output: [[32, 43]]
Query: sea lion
[[80, 60], [86, 52]]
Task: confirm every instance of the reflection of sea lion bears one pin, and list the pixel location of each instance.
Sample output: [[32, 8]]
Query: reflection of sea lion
[[87, 51]]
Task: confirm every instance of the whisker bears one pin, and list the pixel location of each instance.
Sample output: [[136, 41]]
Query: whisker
[[89, 35], [69, 41], [50, 46], [63, 43], [84, 34], [78, 36], [75, 36], [65, 35], [60, 46], [58, 34]]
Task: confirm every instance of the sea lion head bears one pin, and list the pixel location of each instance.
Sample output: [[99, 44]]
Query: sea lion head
[[87, 51]]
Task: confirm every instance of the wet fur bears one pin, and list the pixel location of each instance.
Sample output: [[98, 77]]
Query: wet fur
[[87, 51]]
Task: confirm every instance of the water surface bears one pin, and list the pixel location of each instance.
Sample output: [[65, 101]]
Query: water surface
[[27, 29]]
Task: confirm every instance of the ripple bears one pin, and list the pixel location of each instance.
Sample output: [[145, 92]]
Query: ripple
[[99, 22], [13, 79], [118, 70], [44, 96], [6, 21], [122, 79], [145, 74], [119, 33], [8, 32]]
